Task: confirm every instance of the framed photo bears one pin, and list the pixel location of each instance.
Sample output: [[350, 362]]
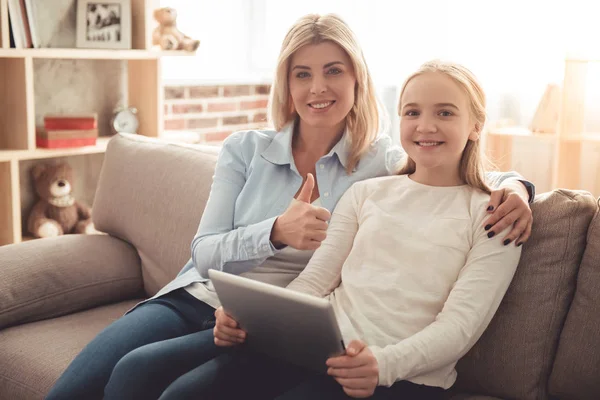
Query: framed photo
[[104, 24]]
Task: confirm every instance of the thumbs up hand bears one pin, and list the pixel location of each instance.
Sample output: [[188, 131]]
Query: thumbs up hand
[[307, 189], [302, 226]]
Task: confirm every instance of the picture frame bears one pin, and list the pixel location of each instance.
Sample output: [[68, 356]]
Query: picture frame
[[103, 24]]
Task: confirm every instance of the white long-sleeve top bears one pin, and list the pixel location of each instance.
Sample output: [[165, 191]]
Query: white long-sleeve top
[[410, 271]]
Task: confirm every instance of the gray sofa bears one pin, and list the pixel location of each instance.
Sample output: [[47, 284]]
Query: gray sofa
[[57, 294]]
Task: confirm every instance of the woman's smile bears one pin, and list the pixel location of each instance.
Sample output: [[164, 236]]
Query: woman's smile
[[321, 106]]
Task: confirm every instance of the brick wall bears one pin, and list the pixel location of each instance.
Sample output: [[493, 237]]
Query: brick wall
[[214, 112]]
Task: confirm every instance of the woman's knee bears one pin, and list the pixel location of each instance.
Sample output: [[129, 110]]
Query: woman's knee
[[177, 392], [132, 373], [197, 383], [218, 378], [138, 362]]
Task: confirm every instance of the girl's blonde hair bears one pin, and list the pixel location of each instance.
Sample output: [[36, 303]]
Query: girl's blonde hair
[[363, 119], [471, 164]]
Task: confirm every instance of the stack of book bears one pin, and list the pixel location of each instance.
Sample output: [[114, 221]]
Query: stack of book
[[62, 131], [22, 30], [41, 23]]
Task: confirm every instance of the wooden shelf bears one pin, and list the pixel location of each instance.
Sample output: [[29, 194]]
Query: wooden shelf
[[91, 54], [7, 155], [583, 137], [510, 131], [583, 57], [18, 112], [551, 137], [520, 132], [569, 158]]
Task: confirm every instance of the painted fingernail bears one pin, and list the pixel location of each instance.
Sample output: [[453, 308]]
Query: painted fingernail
[[507, 241], [490, 208], [487, 227], [491, 234], [518, 244]]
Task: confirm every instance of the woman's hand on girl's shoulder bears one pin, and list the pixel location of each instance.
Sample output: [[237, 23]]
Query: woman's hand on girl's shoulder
[[357, 370], [227, 331], [509, 208]]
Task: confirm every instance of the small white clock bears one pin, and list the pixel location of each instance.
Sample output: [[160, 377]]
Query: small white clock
[[125, 120]]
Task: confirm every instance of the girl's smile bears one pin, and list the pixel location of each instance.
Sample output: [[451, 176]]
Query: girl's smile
[[428, 145]]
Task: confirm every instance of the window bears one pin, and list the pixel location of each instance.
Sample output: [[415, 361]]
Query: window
[[515, 47], [223, 29]]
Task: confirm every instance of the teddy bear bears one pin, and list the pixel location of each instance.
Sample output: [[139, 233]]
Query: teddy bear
[[167, 36], [57, 212]]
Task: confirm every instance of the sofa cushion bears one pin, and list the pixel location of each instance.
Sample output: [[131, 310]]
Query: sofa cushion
[[152, 194], [514, 356], [34, 355], [576, 371], [57, 276]]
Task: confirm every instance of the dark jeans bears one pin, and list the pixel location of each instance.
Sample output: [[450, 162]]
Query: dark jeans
[[242, 374], [140, 354]]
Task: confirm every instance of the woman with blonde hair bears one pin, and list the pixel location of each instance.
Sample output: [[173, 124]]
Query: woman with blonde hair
[[272, 195]]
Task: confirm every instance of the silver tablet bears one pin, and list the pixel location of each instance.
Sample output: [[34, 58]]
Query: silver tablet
[[281, 323]]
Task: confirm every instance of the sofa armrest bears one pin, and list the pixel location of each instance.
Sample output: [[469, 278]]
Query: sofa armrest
[[50, 277]]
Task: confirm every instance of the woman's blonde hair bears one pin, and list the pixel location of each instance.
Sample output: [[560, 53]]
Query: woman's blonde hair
[[363, 119], [471, 170]]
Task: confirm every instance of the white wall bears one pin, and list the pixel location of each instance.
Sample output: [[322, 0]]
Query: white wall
[[515, 47], [223, 28]]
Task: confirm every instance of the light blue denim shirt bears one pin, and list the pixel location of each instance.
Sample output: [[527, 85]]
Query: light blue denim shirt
[[254, 182]]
